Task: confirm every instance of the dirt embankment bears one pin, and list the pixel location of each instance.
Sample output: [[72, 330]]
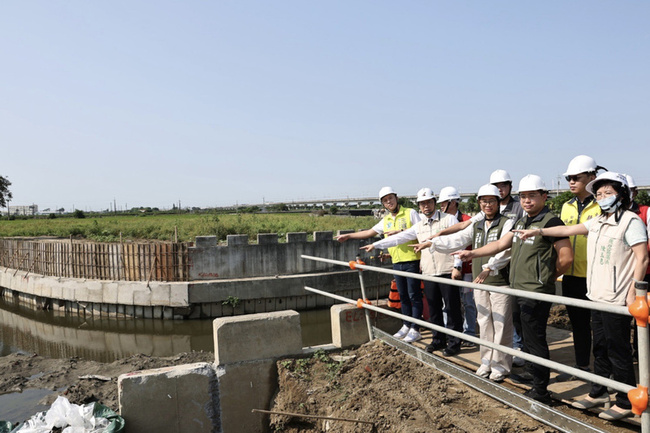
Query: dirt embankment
[[380, 384]]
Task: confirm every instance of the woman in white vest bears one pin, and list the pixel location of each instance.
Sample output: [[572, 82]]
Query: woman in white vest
[[616, 256]]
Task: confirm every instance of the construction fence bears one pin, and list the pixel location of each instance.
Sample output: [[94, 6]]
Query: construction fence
[[126, 261]]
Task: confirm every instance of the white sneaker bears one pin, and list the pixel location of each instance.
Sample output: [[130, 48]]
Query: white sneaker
[[402, 332], [483, 370], [412, 336], [497, 376]]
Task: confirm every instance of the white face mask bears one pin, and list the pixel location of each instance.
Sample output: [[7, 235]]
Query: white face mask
[[609, 204]]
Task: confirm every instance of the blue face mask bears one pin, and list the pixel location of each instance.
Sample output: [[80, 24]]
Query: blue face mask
[[609, 204]]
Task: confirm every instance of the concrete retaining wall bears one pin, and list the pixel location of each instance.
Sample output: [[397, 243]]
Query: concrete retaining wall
[[205, 398], [235, 279], [268, 257]]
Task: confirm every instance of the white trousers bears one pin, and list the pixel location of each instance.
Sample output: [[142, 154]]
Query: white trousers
[[494, 318]]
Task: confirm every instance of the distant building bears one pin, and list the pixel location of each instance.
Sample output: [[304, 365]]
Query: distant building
[[23, 210]]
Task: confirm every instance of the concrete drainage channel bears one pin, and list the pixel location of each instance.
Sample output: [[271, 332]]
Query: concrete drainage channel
[[516, 400]]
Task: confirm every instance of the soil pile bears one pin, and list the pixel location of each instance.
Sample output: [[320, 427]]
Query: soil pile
[[380, 384]]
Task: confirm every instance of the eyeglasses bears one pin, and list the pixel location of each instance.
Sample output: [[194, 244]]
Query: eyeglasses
[[529, 196], [602, 193], [574, 178], [488, 202]]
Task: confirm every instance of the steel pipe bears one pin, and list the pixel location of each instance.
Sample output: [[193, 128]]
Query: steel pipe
[[599, 306], [618, 386]]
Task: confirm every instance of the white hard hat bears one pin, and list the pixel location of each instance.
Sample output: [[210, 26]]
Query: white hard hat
[[581, 164], [498, 176], [488, 189], [630, 181], [425, 194], [608, 175], [448, 193], [531, 182], [385, 191]]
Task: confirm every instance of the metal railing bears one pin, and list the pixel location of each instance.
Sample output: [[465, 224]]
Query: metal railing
[[638, 396]]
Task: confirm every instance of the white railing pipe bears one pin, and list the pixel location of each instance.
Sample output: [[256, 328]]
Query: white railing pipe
[[510, 351], [600, 306]]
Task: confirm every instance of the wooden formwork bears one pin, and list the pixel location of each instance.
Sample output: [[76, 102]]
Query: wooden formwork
[[130, 261]]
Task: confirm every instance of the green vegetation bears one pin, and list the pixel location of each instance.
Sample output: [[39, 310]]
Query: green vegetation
[[643, 198], [555, 203], [233, 301], [5, 194], [188, 226], [470, 206]]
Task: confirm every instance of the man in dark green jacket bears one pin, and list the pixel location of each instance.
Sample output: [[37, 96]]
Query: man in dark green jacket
[[535, 265]]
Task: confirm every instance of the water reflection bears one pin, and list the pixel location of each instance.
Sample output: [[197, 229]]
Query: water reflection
[[19, 406], [107, 339]]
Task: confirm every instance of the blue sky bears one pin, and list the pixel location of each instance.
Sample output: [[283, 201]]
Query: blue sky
[[221, 102]]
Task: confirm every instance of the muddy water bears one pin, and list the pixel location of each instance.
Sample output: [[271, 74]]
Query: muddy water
[[105, 340]]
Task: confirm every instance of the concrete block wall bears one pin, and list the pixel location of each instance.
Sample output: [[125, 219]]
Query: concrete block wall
[[246, 350], [172, 399], [267, 276], [219, 397], [267, 257]]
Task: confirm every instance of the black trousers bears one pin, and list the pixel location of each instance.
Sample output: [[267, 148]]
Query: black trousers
[[576, 287], [612, 353], [534, 316], [436, 294]]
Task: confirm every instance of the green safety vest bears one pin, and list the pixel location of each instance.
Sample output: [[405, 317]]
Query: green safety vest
[[532, 262], [483, 237]]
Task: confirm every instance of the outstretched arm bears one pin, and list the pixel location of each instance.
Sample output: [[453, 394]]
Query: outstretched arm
[[363, 234], [452, 229], [488, 250], [392, 241], [556, 231]]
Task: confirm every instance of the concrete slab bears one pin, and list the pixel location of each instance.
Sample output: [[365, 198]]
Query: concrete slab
[[257, 336], [243, 387], [173, 399]]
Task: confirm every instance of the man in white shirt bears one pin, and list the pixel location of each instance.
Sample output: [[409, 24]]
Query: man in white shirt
[[494, 309], [436, 264]]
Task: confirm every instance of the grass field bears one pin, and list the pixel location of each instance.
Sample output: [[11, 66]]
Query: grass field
[[162, 227]]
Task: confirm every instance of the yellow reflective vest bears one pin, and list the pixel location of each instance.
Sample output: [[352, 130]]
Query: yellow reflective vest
[[571, 216], [401, 221]]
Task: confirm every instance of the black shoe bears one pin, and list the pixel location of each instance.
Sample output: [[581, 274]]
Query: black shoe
[[451, 351], [523, 378], [468, 344], [544, 398], [435, 345]]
